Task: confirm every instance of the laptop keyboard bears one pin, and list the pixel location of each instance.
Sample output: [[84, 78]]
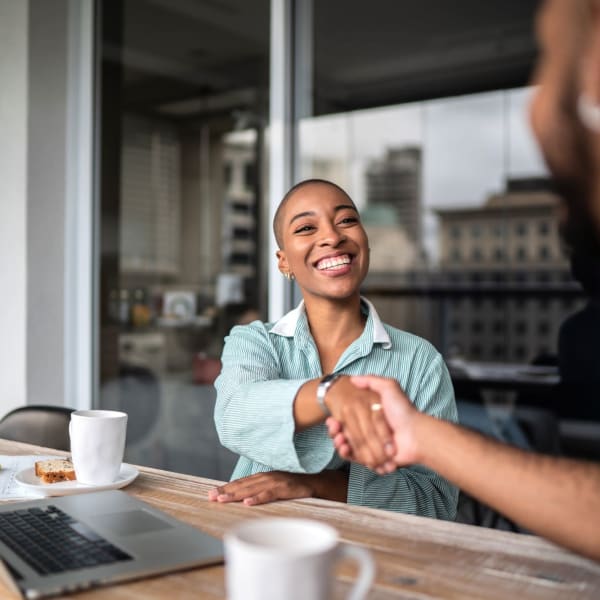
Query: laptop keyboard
[[51, 541]]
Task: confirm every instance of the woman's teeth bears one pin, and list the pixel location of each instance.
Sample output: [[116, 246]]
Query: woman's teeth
[[332, 263]]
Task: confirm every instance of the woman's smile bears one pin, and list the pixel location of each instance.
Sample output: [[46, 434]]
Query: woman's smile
[[335, 265]]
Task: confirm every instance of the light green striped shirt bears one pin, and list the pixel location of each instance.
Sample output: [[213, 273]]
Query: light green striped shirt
[[264, 365]]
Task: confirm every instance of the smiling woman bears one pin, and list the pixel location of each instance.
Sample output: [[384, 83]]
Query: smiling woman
[[280, 381]]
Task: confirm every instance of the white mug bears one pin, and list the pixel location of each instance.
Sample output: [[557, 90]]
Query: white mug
[[97, 444], [277, 558]]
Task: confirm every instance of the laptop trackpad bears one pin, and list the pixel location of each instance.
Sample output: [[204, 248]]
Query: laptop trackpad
[[131, 522]]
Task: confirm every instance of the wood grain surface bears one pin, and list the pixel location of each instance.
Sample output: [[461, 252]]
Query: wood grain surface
[[417, 558]]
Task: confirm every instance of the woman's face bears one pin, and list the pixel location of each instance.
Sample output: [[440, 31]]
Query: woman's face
[[324, 244]]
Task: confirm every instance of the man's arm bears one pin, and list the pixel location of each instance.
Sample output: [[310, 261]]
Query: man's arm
[[557, 498]]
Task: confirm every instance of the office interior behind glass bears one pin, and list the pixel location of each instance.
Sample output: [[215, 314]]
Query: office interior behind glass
[[420, 113]]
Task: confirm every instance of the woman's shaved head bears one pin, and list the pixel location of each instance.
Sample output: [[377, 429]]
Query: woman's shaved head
[[278, 219]]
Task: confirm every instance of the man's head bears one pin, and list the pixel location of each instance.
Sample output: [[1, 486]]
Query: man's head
[[568, 69]]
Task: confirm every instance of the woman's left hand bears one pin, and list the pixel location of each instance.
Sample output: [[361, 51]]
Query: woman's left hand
[[262, 488]]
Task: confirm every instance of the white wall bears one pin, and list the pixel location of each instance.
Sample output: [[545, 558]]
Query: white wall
[[46, 197], [46, 205], [13, 206]]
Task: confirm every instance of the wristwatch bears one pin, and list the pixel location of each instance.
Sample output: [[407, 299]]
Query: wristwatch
[[322, 388]]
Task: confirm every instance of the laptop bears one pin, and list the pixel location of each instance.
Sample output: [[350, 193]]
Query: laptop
[[64, 544]]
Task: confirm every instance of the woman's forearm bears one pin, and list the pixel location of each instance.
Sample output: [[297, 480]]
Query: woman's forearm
[[329, 485], [307, 411]]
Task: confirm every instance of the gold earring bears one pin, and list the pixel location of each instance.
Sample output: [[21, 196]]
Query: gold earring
[[289, 276]]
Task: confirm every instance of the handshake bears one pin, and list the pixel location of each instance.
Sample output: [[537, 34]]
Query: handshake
[[373, 422]]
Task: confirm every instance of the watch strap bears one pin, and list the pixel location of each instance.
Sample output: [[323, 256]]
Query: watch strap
[[325, 383]]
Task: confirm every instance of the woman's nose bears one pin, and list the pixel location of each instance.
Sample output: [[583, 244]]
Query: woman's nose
[[332, 236]]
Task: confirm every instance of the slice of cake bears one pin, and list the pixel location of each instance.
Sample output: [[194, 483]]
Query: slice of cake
[[55, 470]]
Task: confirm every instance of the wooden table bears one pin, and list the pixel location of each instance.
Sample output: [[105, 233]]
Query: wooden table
[[417, 558]]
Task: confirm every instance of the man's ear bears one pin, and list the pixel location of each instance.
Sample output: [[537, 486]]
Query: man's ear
[[282, 263]]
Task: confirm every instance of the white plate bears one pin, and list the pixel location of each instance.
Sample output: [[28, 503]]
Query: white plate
[[27, 479]]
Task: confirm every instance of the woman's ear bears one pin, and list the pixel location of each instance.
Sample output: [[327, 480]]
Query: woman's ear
[[282, 263]]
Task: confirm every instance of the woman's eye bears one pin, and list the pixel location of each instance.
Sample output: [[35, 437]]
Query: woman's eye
[[347, 220], [304, 229]]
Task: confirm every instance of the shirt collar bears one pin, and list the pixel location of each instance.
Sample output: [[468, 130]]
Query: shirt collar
[[286, 326]]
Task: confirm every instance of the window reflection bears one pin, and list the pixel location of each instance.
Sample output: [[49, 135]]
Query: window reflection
[[184, 88], [444, 217]]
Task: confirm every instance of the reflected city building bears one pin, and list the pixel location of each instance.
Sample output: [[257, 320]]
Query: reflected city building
[[480, 273], [503, 249], [394, 182]]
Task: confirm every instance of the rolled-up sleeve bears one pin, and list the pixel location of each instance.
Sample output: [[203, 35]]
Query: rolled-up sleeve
[[254, 407]]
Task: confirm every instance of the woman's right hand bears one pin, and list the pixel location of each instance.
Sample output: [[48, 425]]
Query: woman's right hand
[[360, 415]]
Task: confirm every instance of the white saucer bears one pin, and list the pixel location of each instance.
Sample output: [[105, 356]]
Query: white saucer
[[27, 479]]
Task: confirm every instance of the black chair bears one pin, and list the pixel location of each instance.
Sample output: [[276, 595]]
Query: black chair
[[42, 425]]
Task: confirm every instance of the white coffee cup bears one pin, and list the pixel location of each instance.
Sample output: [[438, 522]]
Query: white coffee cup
[[97, 444], [291, 559]]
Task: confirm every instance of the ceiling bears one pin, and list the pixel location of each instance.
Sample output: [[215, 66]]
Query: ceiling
[[193, 58], [386, 51]]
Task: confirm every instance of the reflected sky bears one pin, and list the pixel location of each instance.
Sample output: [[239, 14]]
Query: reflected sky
[[470, 144]]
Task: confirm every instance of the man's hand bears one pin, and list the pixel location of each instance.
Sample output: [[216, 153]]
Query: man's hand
[[365, 429], [262, 488], [400, 415]]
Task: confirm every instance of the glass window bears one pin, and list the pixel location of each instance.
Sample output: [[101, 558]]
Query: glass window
[[499, 326], [544, 305], [475, 351], [521, 327], [521, 229], [405, 143], [498, 351], [183, 89], [476, 254], [543, 327]]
